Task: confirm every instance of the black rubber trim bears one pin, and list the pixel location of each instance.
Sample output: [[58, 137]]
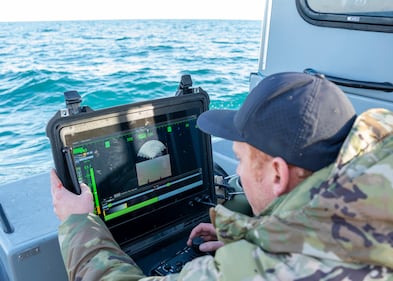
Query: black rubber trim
[[355, 22], [379, 86]]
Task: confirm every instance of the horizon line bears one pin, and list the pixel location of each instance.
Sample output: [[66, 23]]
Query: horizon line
[[121, 19]]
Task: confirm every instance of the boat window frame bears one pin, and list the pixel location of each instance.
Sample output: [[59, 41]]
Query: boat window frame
[[355, 22]]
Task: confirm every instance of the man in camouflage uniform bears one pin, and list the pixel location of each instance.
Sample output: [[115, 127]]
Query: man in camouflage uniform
[[335, 225]]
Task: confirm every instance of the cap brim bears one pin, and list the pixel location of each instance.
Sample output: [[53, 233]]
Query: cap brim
[[219, 123]]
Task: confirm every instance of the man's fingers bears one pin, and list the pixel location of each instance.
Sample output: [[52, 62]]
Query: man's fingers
[[210, 246], [86, 191], [84, 188], [204, 230], [55, 182], [66, 203]]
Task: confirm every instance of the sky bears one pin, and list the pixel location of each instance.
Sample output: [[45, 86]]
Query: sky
[[44, 10]]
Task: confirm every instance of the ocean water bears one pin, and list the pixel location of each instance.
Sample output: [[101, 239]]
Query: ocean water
[[110, 63]]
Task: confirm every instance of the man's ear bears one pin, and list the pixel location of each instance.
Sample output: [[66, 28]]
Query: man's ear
[[281, 176]]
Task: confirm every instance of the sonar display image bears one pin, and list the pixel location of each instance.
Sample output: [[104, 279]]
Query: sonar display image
[[157, 164], [141, 167]]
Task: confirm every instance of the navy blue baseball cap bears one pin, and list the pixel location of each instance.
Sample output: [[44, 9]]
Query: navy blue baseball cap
[[299, 117]]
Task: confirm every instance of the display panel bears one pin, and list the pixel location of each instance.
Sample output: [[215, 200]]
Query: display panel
[[138, 162]]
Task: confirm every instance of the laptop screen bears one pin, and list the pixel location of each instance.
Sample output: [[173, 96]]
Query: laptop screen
[[145, 166]]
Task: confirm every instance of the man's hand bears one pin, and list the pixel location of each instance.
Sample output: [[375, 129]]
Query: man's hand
[[208, 233], [66, 203]]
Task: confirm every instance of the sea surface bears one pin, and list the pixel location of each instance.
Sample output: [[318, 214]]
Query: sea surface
[[110, 63]]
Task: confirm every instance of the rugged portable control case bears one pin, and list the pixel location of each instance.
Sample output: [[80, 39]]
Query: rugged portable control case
[[74, 113]]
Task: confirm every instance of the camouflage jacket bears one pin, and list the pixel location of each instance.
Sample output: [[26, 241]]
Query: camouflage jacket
[[336, 225]]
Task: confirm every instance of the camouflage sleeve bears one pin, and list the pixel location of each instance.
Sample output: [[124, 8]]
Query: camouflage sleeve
[[90, 253]]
